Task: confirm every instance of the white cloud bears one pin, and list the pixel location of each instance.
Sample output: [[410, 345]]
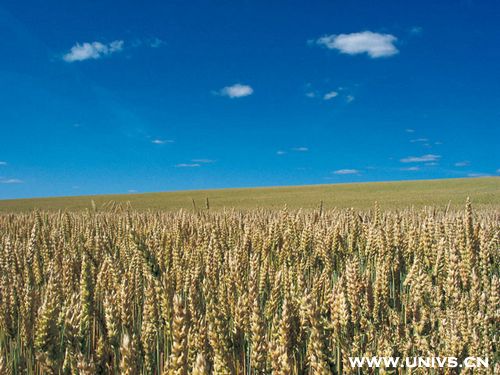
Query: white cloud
[[132, 191], [420, 159], [418, 140], [346, 171], [411, 169], [300, 149], [349, 98], [330, 95], [374, 44], [236, 91], [188, 165], [311, 94], [280, 152], [410, 130], [464, 163], [3, 163], [161, 141], [11, 181], [94, 50]]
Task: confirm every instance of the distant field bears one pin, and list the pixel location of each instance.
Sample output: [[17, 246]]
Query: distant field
[[484, 192]]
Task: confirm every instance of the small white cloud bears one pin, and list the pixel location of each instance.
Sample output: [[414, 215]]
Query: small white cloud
[[421, 159], [311, 94], [11, 181], [132, 191], [300, 149], [94, 50], [349, 98], [280, 152], [346, 171], [410, 130], [330, 95], [188, 165], [161, 141], [3, 163], [411, 169], [464, 163], [236, 91], [419, 140], [431, 164], [374, 44]]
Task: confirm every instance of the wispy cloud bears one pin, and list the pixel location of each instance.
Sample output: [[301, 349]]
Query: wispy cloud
[[93, 50], [161, 141], [340, 92], [10, 181], [373, 44], [419, 140], [236, 91], [188, 165], [410, 130], [411, 169], [147, 42], [293, 149], [330, 95], [3, 163], [156, 42], [203, 161], [464, 163], [478, 175], [346, 171], [421, 159], [416, 30]]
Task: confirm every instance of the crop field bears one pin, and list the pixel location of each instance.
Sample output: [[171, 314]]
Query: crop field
[[485, 192], [249, 187], [268, 291]]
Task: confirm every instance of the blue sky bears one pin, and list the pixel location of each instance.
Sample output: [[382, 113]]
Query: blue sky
[[112, 97]]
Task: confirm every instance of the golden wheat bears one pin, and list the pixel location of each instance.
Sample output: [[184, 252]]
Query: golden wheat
[[283, 292]]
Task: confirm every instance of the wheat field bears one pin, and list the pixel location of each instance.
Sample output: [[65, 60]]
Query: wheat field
[[451, 192], [255, 292]]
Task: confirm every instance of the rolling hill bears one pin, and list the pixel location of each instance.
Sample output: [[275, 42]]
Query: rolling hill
[[483, 192]]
